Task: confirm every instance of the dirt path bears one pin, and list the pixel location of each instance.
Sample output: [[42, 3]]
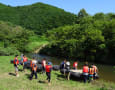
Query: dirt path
[[41, 47]]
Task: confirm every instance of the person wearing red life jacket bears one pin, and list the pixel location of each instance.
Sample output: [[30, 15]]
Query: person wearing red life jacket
[[91, 73], [85, 72], [48, 71], [43, 65], [95, 71], [33, 69], [16, 63], [75, 64], [25, 59]]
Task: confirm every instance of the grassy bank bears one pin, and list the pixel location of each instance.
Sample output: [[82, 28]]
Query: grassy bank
[[8, 81], [35, 43]]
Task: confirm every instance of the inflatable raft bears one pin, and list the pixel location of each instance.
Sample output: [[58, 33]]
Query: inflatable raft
[[75, 74]]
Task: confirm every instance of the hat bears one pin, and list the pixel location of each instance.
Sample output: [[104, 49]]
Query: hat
[[49, 63]]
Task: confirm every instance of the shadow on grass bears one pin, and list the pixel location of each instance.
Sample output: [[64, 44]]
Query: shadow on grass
[[40, 81], [28, 76], [20, 70], [12, 74], [62, 77]]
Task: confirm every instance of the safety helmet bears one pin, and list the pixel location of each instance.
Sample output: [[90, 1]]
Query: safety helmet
[[49, 63]]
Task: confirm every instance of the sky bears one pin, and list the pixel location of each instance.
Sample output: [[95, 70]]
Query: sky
[[91, 6]]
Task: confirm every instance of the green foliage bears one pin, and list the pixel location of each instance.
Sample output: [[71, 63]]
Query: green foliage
[[35, 42], [38, 17], [8, 51], [13, 36], [74, 42], [82, 13]]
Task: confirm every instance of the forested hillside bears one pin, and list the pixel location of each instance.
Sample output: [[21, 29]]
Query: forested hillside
[[38, 17], [79, 36], [92, 38]]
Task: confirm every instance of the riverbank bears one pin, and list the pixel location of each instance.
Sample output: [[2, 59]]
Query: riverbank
[[8, 81]]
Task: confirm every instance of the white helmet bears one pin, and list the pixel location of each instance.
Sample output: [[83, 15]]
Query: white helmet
[[67, 63]]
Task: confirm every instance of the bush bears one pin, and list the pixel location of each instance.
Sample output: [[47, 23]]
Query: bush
[[8, 51]]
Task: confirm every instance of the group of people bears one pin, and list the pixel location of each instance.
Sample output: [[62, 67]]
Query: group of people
[[33, 65], [89, 73]]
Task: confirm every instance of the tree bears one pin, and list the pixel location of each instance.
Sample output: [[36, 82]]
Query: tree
[[82, 13]]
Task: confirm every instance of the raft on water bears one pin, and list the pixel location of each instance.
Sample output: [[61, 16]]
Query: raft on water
[[75, 74]]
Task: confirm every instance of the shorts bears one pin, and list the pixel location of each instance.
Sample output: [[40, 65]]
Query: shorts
[[16, 68]]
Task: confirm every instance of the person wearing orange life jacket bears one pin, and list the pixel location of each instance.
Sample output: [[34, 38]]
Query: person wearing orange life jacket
[[33, 69], [95, 71], [85, 72], [75, 64], [43, 65], [48, 71], [91, 73], [33, 61], [25, 59], [16, 63]]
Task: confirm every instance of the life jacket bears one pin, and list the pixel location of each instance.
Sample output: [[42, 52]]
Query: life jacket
[[91, 71], [48, 68], [95, 68], [25, 59], [16, 61], [85, 69], [32, 62], [44, 63], [34, 67], [75, 64]]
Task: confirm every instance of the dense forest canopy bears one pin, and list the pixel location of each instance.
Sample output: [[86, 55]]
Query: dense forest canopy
[[92, 38], [38, 17], [79, 36]]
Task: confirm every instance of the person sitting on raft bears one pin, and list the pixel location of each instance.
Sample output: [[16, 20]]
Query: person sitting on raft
[[63, 64], [95, 71], [85, 72], [16, 63], [25, 59], [75, 64], [33, 69], [48, 71], [91, 73], [43, 65]]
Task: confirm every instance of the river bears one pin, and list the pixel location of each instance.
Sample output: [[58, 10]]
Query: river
[[106, 72]]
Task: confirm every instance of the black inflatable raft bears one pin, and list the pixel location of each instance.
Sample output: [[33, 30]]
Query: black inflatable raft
[[75, 74]]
